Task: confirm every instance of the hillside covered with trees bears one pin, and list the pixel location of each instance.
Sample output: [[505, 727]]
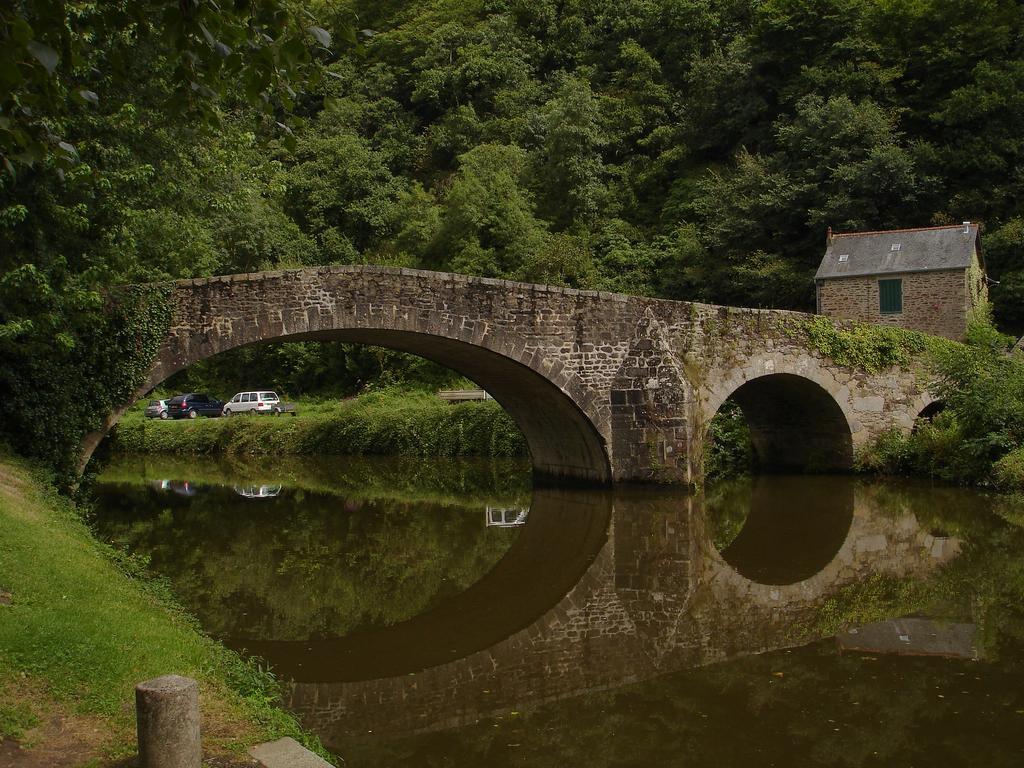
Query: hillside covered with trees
[[687, 149]]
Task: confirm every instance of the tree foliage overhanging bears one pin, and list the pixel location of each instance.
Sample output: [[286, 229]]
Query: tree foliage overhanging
[[687, 149]]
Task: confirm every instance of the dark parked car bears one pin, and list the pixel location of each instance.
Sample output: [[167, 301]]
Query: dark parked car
[[192, 405]]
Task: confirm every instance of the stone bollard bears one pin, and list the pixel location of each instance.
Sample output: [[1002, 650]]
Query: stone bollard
[[167, 717]]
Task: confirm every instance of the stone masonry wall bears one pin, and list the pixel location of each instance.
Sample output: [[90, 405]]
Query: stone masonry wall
[[933, 302], [605, 387]]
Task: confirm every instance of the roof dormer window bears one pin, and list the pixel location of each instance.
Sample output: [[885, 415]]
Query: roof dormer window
[[895, 247]]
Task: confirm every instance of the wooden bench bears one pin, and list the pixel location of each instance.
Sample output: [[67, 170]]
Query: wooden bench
[[462, 395]]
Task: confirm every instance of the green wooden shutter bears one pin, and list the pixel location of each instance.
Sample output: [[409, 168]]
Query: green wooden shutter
[[890, 296]]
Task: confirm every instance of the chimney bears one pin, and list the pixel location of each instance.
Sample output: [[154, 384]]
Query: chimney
[[828, 237], [967, 227]]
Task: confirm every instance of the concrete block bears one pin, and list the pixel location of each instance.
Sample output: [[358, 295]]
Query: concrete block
[[286, 753], [167, 717]]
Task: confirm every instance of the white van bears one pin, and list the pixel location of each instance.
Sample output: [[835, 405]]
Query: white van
[[253, 402]]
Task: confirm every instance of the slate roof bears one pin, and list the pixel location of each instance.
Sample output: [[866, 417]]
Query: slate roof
[[921, 250]]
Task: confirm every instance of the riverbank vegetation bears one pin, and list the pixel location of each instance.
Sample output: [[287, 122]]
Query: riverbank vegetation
[[75, 639], [673, 148], [978, 435], [384, 422]]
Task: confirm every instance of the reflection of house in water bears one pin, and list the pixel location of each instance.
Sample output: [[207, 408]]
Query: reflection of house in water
[[506, 517], [913, 636], [258, 491]]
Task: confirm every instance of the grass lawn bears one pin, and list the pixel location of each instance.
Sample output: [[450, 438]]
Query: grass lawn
[[78, 629], [386, 422]]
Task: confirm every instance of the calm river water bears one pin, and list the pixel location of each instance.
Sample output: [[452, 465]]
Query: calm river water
[[446, 614]]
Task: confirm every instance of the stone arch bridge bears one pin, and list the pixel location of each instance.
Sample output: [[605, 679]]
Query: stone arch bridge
[[605, 387]]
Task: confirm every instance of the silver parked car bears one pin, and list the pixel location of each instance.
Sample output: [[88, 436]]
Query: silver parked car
[[157, 409], [260, 401], [258, 491]]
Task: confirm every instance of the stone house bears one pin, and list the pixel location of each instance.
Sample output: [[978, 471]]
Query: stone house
[[927, 279]]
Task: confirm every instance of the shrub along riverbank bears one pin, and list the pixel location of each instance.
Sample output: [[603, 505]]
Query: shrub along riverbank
[[386, 423], [978, 437], [74, 640]]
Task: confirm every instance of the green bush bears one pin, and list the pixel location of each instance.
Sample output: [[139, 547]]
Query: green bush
[[869, 347], [728, 451], [979, 437], [60, 379], [888, 454], [386, 422], [1008, 472]]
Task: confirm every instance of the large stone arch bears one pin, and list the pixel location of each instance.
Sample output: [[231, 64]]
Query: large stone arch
[[796, 422], [563, 423]]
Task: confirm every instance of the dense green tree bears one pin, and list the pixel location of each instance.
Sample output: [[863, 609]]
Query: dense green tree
[[570, 168], [682, 148], [1004, 253], [343, 193], [489, 227]]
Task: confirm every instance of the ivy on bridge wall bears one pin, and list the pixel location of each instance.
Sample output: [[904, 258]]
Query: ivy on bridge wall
[[58, 387]]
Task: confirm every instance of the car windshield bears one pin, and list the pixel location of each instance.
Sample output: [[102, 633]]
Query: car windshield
[[154, 402], [268, 396], [177, 400]]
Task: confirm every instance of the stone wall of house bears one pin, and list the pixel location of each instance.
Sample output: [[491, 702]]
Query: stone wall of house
[[977, 284], [933, 302]]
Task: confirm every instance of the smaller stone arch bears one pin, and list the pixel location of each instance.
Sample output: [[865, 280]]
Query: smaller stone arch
[[933, 409], [796, 424]]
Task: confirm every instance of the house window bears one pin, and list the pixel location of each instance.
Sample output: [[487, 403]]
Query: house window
[[890, 296]]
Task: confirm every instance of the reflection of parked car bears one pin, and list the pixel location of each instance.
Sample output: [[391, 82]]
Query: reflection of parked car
[[257, 402], [192, 405], [506, 517], [184, 488], [258, 491], [157, 409]]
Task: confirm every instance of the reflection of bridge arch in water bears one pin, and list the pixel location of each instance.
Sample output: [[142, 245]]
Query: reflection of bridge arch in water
[[796, 529], [655, 599], [889, 540], [524, 584]]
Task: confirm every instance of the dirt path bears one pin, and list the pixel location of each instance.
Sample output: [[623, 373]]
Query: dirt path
[[58, 742]]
